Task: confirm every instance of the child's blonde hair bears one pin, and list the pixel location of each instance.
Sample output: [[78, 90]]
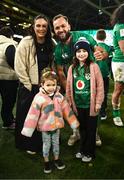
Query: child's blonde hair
[[48, 74]]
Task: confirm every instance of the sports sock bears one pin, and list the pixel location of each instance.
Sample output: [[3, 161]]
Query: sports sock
[[116, 113]]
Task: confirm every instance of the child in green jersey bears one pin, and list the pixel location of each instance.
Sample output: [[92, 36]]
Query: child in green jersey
[[105, 69], [104, 66], [85, 94]]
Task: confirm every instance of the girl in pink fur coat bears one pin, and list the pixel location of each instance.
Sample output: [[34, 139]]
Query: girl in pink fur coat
[[47, 113]]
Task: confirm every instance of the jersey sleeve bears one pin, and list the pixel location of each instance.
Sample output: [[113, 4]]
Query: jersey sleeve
[[120, 32]]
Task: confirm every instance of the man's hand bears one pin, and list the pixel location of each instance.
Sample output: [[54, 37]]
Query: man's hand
[[100, 54]]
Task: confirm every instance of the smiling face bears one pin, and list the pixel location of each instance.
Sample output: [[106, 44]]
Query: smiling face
[[50, 86], [61, 28], [40, 29], [81, 55]]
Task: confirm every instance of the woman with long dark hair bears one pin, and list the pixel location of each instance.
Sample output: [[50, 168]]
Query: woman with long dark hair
[[34, 53], [117, 21]]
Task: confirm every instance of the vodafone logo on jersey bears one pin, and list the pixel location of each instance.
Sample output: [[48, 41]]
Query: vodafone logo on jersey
[[80, 84]]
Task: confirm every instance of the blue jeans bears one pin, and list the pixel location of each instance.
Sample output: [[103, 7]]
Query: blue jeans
[[51, 138]]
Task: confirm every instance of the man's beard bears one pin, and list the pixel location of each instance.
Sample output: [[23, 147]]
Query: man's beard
[[64, 39]]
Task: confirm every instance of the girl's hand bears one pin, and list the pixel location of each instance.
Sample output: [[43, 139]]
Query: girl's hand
[[97, 110]]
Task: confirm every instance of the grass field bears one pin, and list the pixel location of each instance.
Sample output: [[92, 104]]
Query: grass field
[[109, 163]]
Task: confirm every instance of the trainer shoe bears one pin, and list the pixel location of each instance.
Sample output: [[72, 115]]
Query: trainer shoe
[[79, 155], [47, 168], [104, 117], [11, 127], [59, 164], [31, 152], [86, 158], [98, 140], [118, 121], [73, 138]]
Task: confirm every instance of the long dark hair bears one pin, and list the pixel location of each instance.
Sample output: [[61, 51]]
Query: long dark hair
[[86, 64], [48, 38], [118, 15]]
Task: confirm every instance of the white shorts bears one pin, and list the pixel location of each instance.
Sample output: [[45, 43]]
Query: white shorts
[[118, 71]]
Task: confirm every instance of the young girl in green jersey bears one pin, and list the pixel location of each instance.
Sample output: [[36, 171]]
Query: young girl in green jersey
[[85, 94]]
